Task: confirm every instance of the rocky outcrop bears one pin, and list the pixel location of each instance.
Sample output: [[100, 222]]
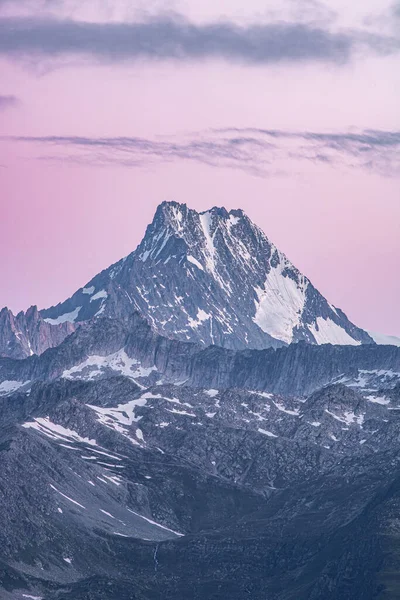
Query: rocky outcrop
[[28, 333]]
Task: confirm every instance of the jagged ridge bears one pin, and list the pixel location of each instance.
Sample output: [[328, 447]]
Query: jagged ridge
[[28, 333], [212, 278]]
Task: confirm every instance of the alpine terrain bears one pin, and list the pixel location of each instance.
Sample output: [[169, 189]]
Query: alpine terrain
[[198, 422], [209, 278]]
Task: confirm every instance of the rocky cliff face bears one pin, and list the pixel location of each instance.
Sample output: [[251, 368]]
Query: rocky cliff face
[[212, 278], [296, 370], [28, 333]]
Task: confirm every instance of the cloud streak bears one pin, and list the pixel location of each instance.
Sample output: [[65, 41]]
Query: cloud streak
[[172, 38], [256, 151], [8, 101]]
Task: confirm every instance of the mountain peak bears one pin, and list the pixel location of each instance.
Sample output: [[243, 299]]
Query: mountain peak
[[32, 312], [169, 209], [216, 212], [176, 213], [211, 277]]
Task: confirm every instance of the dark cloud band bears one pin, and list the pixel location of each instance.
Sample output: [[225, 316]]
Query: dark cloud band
[[366, 139], [172, 38]]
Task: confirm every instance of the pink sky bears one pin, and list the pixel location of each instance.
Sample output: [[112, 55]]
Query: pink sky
[[68, 211]]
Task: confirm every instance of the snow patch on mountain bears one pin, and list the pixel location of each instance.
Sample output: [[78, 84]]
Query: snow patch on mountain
[[99, 295], [348, 417], [96, 366], [201, 317], [371, 380], [11, 386], [56, 431], [386, 340], [266, 432], [88, 290], [326, 331], [378, 400], [280, 303], [205, 221], [121, 418], [70, 317], [195, 262]]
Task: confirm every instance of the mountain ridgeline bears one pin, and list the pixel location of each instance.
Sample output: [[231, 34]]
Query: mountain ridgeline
[[210, 278]]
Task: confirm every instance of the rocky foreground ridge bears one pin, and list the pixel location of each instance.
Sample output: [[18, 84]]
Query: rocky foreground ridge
[[135, 466]]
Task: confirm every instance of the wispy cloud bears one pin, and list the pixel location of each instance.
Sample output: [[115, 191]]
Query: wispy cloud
[[8, 101], [257, 151], [172, 38]]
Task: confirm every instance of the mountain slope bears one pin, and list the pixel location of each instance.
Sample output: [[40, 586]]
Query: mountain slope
[[211, 278], [198, 484]]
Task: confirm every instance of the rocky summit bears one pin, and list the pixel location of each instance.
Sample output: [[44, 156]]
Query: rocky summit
[[198, 422], [209, 278]]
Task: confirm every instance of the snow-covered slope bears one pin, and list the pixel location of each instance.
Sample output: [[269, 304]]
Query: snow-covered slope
[[386, 340], [215, 278]]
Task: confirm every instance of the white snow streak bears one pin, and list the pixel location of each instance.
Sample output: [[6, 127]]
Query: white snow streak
[[265, 432], [154, 523], [378, 399], [195, 262], [56, 431], [67, 497]]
